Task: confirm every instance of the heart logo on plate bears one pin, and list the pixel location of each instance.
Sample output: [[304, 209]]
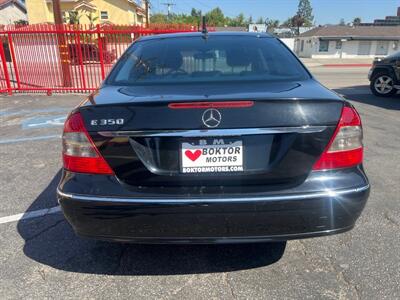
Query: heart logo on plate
[[193, 155]]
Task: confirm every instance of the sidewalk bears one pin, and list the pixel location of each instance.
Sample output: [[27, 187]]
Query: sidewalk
[[336, 62]]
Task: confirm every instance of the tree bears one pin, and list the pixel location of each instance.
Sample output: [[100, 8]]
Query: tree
[[195, 13], [298, 21], [272, 24], [158, 19], [260, 20], [195, 16], [357, 21], [342, 22], [287, 23], [215, 17], [92, 18], [240, 20], [21, 22], [304, 12], [73, 17]]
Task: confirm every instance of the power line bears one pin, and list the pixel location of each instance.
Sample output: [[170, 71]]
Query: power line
[[157, 5], [203, 4]]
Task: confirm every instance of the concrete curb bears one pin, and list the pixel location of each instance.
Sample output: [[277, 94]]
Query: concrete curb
[[346, 65], [311, 65]]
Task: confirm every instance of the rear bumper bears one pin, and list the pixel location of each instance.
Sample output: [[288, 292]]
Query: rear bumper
[[249, 218]]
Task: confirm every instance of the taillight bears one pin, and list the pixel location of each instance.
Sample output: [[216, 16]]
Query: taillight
[[79, 152], [345, 148]]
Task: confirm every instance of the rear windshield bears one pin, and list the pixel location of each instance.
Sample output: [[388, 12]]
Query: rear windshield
[[217, 58]]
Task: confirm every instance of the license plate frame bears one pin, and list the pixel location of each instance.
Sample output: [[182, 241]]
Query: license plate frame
[[214, 159]]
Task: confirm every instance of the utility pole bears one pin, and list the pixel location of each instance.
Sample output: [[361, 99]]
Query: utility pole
[[168, 5], [57, 12], [146, 8], [62, 45]]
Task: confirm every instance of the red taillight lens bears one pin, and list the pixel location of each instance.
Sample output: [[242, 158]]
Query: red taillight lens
[[345, 148], [79, 152]]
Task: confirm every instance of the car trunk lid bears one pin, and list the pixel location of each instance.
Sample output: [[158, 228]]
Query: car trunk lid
[[279, 140]]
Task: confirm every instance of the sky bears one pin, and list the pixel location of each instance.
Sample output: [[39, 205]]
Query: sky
[[325, 11]]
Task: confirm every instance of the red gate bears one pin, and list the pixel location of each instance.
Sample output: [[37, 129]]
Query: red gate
[[65, 58]]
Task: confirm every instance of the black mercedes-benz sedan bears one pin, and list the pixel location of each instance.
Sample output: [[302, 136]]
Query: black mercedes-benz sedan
[[212, 138]]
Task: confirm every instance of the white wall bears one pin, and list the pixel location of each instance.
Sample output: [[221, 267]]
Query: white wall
[[353, 51], [289, 42], [10, 14], [349, 49], [332, 51], [307, 47]]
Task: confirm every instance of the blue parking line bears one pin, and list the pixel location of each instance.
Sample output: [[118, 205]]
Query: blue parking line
[[28, 139], [8, 113], [42, 122]]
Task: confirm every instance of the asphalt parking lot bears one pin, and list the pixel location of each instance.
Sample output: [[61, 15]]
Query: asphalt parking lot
[[41, 257]]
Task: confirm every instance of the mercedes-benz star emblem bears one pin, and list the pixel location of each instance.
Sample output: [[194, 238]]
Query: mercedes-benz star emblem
[[211, 118]]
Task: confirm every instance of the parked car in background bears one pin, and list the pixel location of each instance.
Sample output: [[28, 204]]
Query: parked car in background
[[90, 53], [385, 75]]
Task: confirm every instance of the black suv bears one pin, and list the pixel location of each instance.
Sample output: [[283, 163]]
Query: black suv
[[385, 75]]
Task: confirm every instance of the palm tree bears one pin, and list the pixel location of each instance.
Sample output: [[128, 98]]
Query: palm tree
[[73, 17], [92, 18]]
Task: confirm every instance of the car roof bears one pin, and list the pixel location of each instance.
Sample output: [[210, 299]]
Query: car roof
[[199, 34], [394, 55]]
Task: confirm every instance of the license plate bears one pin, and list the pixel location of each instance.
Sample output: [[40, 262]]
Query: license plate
[[212, 156]]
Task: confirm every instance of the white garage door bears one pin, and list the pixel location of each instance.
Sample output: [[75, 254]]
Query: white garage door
[[364, 48]]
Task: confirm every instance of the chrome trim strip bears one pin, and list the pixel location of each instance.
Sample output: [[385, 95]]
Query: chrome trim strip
[[213, 132], [327, 193]]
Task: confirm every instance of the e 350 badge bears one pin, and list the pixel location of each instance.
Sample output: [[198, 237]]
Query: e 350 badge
[[105, 122]]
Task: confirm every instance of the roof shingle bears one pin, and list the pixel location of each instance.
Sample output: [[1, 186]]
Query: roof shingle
[[348, 31]]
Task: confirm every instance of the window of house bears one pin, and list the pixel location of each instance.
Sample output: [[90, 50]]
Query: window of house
[[339, 44], [302, 46], [104, 15], [323, 46]]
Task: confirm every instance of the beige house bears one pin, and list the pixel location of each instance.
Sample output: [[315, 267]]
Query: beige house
[[124, 12]]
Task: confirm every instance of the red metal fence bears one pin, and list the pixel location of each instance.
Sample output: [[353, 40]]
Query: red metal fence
[[65, 58]]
